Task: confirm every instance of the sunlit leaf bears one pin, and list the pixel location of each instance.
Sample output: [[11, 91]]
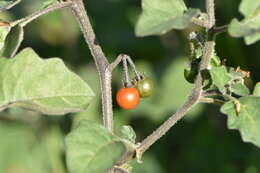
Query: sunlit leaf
[[160, 16], [248, 7], [91, 148], [46, 86], [247, 121]]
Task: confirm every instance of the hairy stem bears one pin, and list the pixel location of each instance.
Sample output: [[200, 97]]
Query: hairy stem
[[105, 73], [210, 7], [24, 21]]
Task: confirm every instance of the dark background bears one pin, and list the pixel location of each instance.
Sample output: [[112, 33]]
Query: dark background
[[199, 143]]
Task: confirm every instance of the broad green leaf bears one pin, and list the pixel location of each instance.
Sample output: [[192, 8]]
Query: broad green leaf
[[128, 133], [257, 89], [220, 77], [160, 16], [4, 30], [247, 121], [90, 148], [7, 4], [240, 89], [46, 86], [12, 41], [249, 28]]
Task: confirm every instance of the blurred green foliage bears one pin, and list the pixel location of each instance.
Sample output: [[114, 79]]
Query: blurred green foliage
[[200, 143]]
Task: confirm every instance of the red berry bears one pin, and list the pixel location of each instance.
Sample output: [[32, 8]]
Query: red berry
[[127, 98]]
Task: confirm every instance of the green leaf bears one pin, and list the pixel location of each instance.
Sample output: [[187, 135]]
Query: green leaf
[[235, 74], [240, 89], [249, 28], [128, 133], [215, 62], [160, 16], [257, 89], [247, 7], [90, 148], [220, 77], [4, 30], [7, 4], [12, 41], [248, 120], [46, 86]]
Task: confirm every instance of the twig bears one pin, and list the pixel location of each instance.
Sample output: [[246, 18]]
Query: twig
[[211, 93], [130, 61], [24, 21], [195, 94], [114, 64], [126, 75], [125, 59], [211, 100], [220, 29]]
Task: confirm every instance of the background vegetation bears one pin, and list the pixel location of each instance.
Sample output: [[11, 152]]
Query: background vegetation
[[200, 143]]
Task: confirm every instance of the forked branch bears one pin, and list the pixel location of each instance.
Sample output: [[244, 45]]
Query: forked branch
[[195, 95]]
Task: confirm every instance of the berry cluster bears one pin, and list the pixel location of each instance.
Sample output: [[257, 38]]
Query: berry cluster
[[129, 96]]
